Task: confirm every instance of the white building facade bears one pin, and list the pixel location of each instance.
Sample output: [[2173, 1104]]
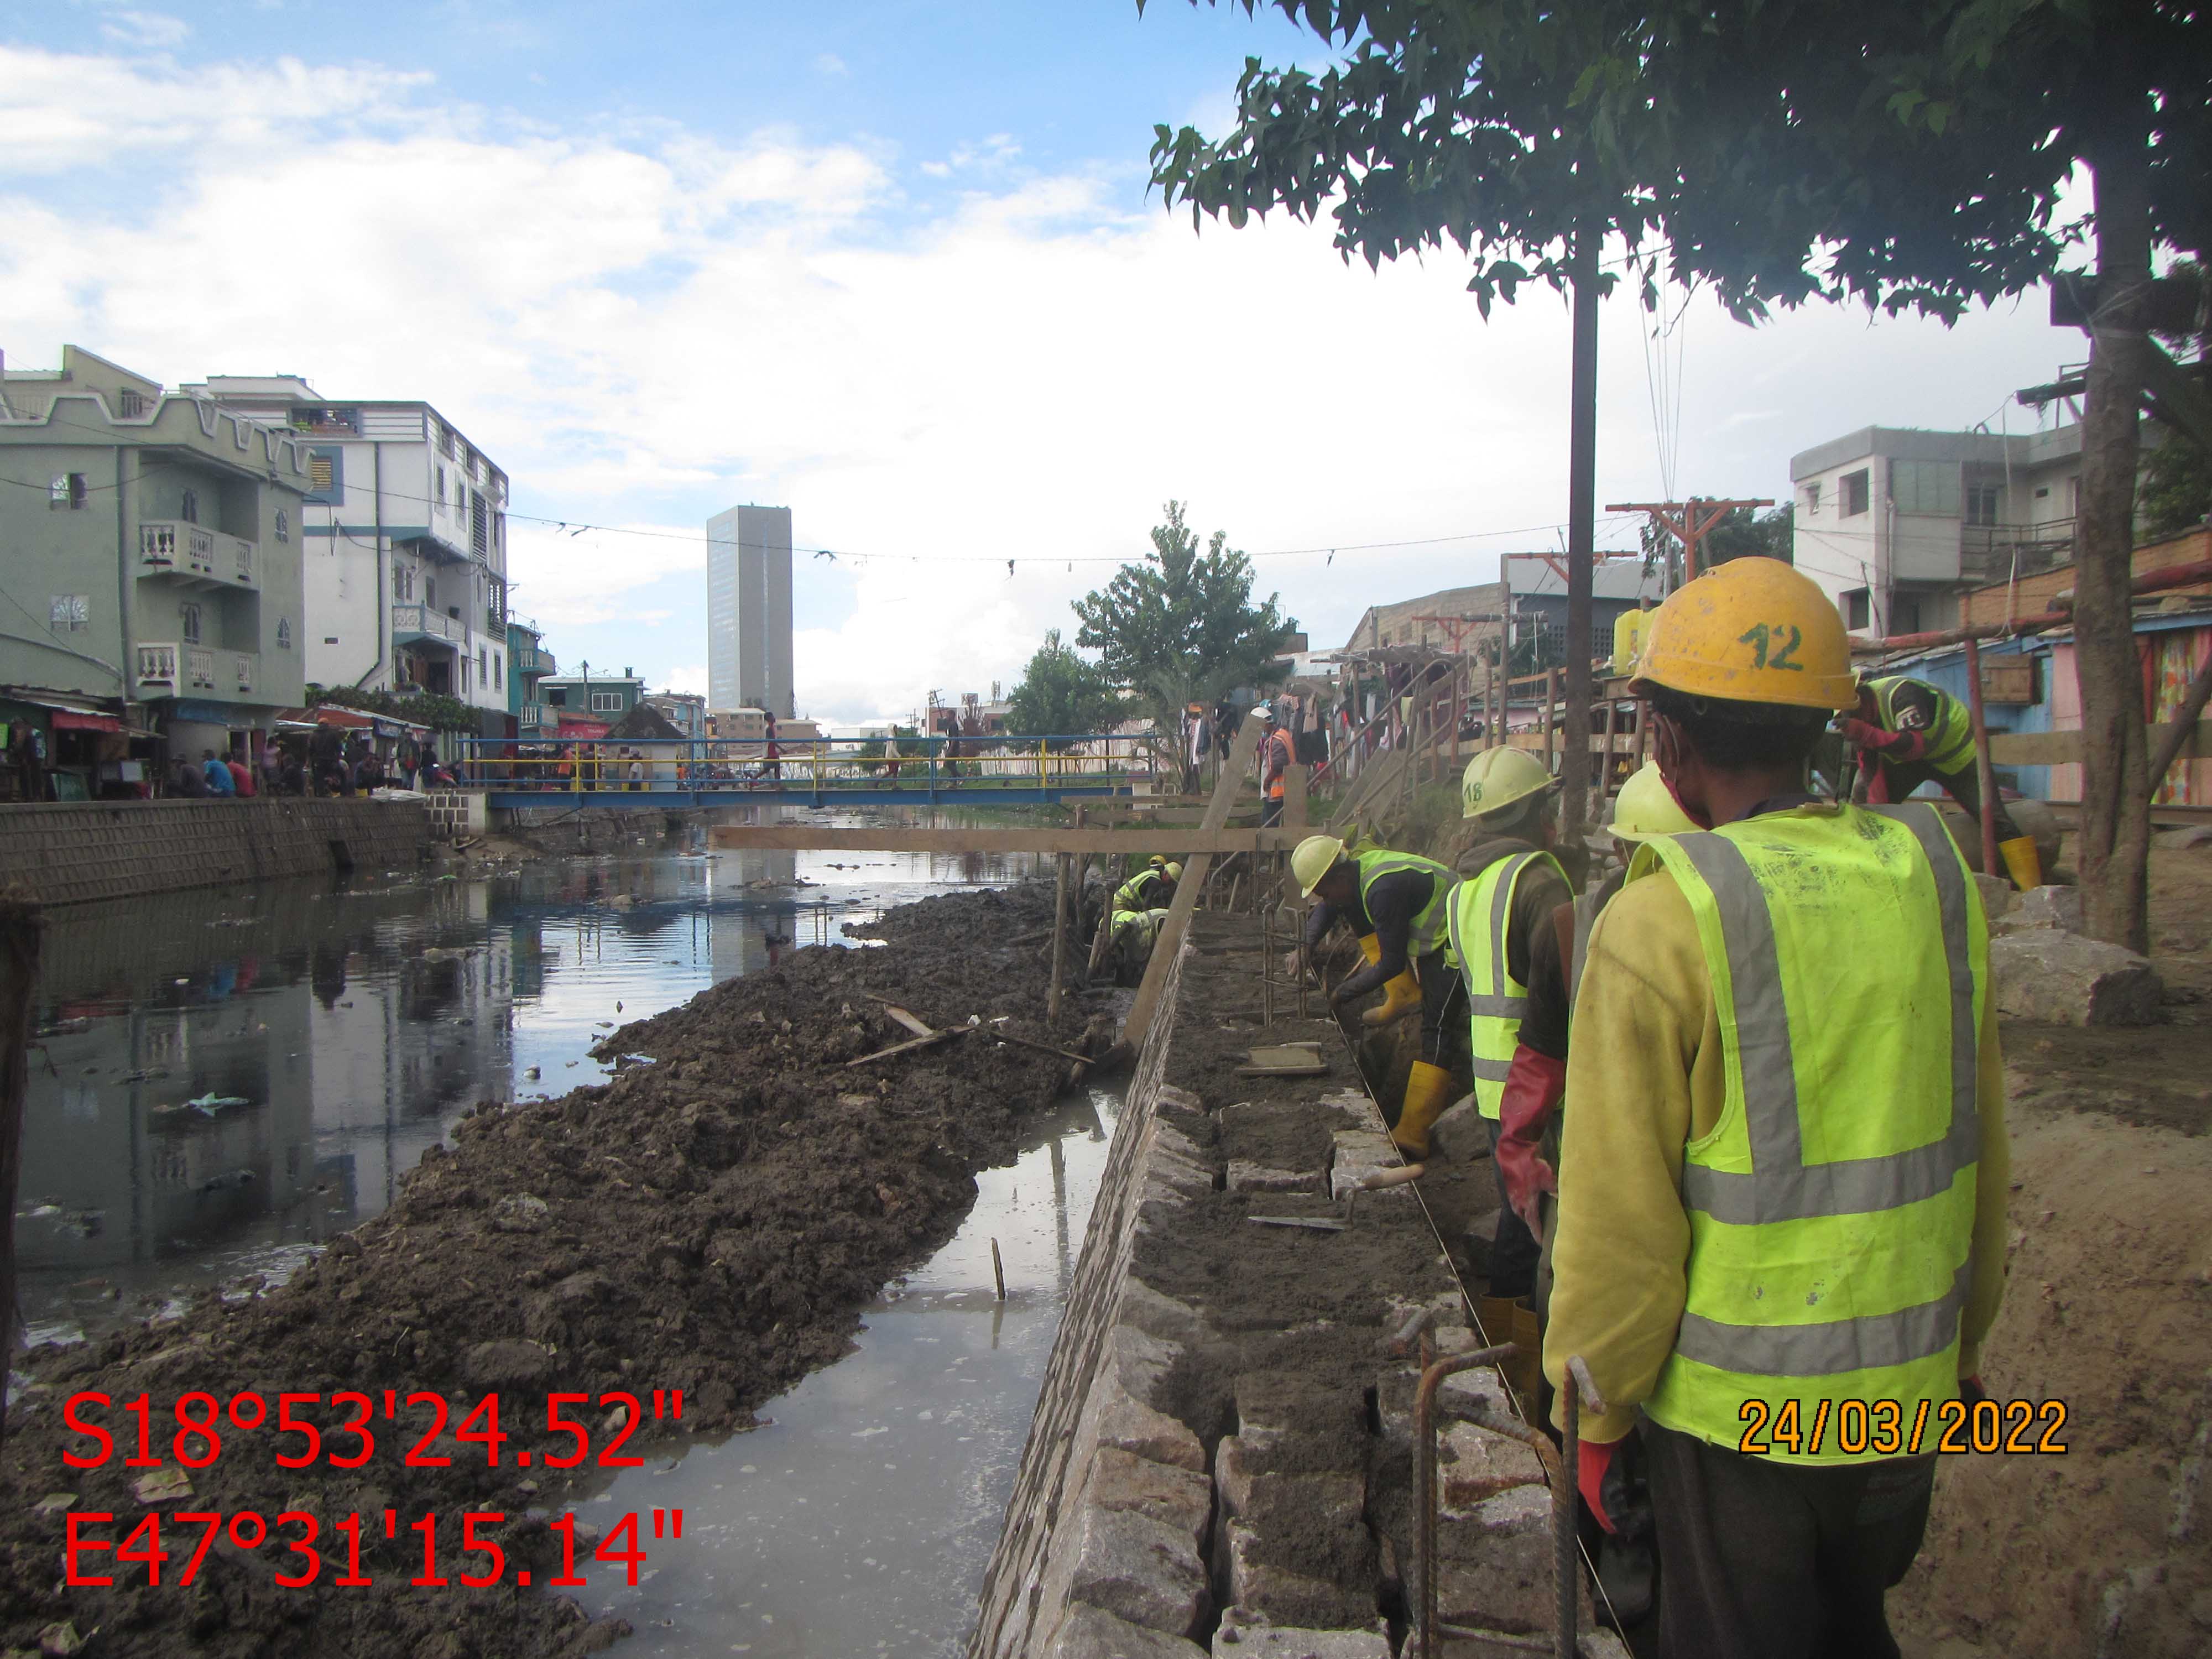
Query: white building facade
[[749, 610], [404, 543], [1895, 524]]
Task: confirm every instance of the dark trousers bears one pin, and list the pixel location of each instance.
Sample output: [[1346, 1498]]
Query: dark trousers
[[1964, 787], [1444, 1007], [1760, 1560], [1271, 812], [1514, 1251]]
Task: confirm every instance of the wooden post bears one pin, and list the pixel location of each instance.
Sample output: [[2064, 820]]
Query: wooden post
[[1145, 1005], [1059, 937], [1605, 767], [1985, 775], [1551, 716], [20, 928], [1294, 797]]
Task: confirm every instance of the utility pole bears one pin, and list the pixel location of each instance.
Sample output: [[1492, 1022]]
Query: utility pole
[[1688, 522], [1581, 530]]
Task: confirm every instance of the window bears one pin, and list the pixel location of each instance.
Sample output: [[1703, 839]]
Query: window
[[129, 405], [188, 507], [1929, 489], [483, 665], [1905, 613], [188, 616], [326, 476], [68, 489], [442, 486], [1813, 498], [497, 680], [429, 590], [68, 613], [283, 526], [558, 696], [607, 702], [1982, 505], [283, 632], [1853, 487], [1857, 610]]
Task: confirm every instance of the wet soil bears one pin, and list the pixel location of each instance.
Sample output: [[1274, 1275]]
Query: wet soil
[[711, 1222]]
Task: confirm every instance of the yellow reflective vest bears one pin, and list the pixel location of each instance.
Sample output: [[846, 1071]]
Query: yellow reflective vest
[[1427, 934], [1950, 740], [1481, 912], [1831, 1205]]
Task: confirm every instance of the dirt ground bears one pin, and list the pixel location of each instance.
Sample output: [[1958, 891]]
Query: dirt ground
[[711, 1222]]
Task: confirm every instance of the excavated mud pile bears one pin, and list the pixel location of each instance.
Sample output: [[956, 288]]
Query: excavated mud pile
[[711, 1223]]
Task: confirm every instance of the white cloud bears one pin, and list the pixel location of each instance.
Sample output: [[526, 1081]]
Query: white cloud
[[643, 326], [152, 30], [830, 63]]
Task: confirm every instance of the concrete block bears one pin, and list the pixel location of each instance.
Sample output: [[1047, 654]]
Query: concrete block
[[1166, 1138], [1090, 1632], [1159, 1314], [1136, 1427], [1138, 1568], [1244, 1640], [1138, 1362], [1246, 1176], [1996, 895], [1268, 1404], [1172, 1095], [1460, 1393], [1501, 1582], [1178, 1498], [1236, 1466], [1460, 1135], [1350, 1107], [1271, 1593], [1475, 1465], [2046, 907], [1360, 1153], [2063, 979]]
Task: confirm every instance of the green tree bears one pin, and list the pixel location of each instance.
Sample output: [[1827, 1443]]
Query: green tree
[[2176, 494], [1181, 627], [1905, 154], [1061, 694], [1747, 532]]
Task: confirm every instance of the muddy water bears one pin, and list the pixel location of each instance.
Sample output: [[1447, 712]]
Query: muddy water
[[230, 1077]]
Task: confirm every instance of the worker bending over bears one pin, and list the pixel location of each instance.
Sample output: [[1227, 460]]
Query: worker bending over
[[1139, 906], [1510, 882], [1909, 732], [1152, 888], [1781, 1210], [1397, 904]]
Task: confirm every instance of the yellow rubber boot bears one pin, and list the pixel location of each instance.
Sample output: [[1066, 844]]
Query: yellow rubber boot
[[1428, 1091], [2021, 862]]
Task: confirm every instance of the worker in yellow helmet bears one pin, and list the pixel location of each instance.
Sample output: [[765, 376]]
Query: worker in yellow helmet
[[1510, 882], [1780, 1232], [1909, 732], [1396, 904]]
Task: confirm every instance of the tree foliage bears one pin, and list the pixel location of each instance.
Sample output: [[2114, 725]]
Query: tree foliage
[[1180, 627], [2176, 492], [1061, 694]]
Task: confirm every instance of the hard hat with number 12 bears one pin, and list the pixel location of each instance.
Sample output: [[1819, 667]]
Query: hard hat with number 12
[[1497, 778], [1752, 630]]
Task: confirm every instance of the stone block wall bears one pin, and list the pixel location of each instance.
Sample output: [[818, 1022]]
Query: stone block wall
[[71, 852]]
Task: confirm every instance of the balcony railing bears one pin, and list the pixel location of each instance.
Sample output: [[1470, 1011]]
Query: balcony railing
[[533, 659], [180, 547], [245, 670], [420, 622], [532, 716], [199, 669], [157, 669]]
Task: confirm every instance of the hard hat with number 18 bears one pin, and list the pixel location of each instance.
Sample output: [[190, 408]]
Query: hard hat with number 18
[[1752, 630], [1312, 859], [1497, 778], [1645, 807]]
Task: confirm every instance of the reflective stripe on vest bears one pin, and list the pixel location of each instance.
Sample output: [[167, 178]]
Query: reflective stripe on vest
[[1425, 936], [1876, 938], [1481, 910], [1950, 739]]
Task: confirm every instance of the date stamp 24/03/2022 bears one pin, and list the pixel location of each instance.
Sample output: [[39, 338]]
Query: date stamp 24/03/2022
[[1889, 1428]]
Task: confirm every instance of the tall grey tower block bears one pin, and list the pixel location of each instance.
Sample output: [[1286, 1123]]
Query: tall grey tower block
[[749, 610]]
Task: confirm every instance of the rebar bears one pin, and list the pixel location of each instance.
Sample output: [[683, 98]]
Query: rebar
[[1425, 1478]]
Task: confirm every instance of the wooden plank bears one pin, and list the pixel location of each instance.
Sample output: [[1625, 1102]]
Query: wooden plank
[[1145, 1005], [1172, 842], [910, 1021], [907, 1048], [2064, 748]]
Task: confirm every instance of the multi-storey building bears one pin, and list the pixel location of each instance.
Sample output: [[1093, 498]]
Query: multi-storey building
[[584, 704], [404, 550], [684, 710], [528, 662], [749, 610], [1895, 525], [150, 561]]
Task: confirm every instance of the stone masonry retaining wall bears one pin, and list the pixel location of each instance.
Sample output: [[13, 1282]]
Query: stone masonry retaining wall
[[69, 852]]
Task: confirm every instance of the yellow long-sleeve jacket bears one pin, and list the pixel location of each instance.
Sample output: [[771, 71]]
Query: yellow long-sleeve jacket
[[1645, 1076]]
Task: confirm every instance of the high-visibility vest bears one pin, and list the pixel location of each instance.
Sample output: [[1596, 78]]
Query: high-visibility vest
[[1130, 895], [1287, 758], [1831, 1206], [1950, 739], [1481, 911], [1426, 935]]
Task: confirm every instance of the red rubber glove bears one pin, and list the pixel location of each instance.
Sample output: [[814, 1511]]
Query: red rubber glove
[[1595, 1458], [1534, 1087], [1864, 734]]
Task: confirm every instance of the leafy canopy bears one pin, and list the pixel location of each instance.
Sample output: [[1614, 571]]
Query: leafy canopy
[[1181, 627], [1062, 695]]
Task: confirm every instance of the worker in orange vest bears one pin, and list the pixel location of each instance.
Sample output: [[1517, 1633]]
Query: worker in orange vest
[[1276, 757]]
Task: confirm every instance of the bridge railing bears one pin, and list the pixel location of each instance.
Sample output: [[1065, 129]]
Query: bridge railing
[[823, 766]]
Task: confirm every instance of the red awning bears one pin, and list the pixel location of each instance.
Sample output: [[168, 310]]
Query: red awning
[[65, 721]]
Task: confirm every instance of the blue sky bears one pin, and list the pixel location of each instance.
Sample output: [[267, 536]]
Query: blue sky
[[893, 265]]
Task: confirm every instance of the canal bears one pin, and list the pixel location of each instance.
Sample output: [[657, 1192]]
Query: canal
[[228, 1078]]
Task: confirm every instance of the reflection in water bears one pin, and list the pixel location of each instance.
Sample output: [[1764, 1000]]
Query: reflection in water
[[227, 1077]]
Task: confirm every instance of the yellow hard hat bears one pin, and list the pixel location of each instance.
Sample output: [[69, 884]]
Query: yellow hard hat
[[1158, 861], [1497, 778], [1312, 859], [1173, 871], [1752, 630], [1645, 807]]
